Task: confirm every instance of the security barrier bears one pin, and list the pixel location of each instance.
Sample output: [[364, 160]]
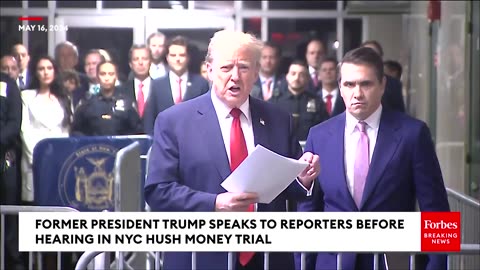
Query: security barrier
[[14, 210]]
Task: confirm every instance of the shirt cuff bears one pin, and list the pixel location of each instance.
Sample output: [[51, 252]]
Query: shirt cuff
[[309, 191]]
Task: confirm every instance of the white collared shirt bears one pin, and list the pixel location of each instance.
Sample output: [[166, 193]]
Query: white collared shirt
[[145, 88], [334, 94], [263, 81], [352, 135], [312, 71], [24, 75], [157, 71], [225, 120], [174, 84]]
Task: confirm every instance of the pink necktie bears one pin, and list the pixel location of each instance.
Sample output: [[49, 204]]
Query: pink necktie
[[238, 152], [362, 162], [178, 99], [140, 100], [268, 95]]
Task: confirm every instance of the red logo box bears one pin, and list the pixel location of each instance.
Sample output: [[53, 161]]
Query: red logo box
[[441, 232]]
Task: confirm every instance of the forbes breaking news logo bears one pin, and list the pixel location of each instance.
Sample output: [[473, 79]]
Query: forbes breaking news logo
[[441, 231]]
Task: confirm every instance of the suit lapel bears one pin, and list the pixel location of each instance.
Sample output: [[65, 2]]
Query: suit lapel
[[168, 93], [259, 124], [188, 90], [208, 121], [337, 156], [385, 147]]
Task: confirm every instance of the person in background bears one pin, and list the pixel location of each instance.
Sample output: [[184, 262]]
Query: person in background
[[10, 66], [10, 149], [393, 97], [373, 159], [306, 108], [46, 114], [198, 143], [138, 88], [330, 95], [66, 55], [204, 71], [157, 44], [109, 112], [70, 81], [92, 59], [269, 81], [314, 54], [393, 69], [179, 85], [23, 57]]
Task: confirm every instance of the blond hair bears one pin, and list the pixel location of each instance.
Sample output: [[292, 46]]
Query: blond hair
[[236, 39]]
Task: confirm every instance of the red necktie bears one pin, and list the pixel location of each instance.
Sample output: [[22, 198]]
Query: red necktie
[[328, 104], [238, 152], [178, 99], [140, 100]]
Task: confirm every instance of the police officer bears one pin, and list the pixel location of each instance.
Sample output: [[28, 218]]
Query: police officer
[[306, 108], [109, 112], [10, 124]]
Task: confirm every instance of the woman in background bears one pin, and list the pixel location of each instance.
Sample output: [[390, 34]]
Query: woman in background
[[46, 113]]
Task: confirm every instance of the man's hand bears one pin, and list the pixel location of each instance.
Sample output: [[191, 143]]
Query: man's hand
[[234, 202], [311, 172]]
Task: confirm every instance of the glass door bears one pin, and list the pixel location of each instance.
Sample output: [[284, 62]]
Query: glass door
[[113, 33], [196, 25]]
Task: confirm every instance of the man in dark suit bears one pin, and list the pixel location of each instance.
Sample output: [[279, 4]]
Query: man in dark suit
[[328, 91], [23, 58], [179, 85], [10, 123], [387, 160], [138, 88], [198, 143], [392, 98], [269, 80]]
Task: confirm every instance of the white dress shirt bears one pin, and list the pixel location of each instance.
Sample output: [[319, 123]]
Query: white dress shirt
[[157, 71], [24, 75], [145, 88], [334, 94], [225, 120], [352, 135], [312, 71], [174, 84]]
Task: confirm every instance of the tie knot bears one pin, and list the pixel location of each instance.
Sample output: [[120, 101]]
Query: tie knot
[[140, 85], [236, 112], [268, 82], [329, 97], [20, 77], [362, 126], [179, 80]]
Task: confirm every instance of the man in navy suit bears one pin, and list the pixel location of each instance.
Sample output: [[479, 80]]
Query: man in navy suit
[[178, 86], [386, 158], [329, 92], [23, 58], [196, 145]]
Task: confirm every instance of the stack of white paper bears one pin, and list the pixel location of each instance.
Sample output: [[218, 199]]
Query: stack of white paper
[[264, 172]]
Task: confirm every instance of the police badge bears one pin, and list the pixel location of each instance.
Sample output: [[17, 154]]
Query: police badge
[[311, 106]]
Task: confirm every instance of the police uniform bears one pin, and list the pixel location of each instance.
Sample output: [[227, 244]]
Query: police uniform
[[10, 149], [98, 115], [306, 109]]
